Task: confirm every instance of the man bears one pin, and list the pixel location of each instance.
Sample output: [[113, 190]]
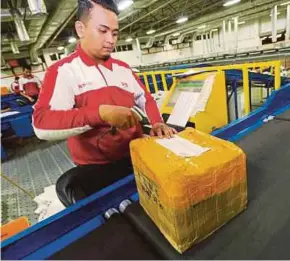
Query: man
[[29, 85], [15, 86], [86, 97]]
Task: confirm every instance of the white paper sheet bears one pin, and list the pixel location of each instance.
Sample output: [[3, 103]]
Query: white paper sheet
[[48, 203], [8, 113], [183, 108], [182, 147], [204, 95]]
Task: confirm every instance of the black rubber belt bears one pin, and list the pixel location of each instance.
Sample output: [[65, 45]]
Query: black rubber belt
[[116, 239], [262, 230], [145, 226], [284, 116]]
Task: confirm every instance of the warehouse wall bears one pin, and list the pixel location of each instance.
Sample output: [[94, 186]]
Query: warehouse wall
[[248, 39], [133, 58]]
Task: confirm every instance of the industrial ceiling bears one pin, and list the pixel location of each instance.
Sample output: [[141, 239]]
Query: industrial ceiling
[[28, 26]]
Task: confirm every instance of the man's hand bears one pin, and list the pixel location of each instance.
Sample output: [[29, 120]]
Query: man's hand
[[162, 130], [118, 116], [30, 99]]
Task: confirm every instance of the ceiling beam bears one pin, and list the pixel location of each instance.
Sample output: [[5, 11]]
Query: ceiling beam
[[147, 14], [136, 9], [216, 17], [169, 16]]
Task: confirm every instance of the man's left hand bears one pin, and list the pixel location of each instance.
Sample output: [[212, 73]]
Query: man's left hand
[[162, 130]]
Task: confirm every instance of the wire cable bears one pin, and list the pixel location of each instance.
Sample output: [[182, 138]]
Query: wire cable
[[17, 186], [113, 131]]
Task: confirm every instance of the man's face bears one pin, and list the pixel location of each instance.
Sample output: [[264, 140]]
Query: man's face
[[27, 72], [99, 32]]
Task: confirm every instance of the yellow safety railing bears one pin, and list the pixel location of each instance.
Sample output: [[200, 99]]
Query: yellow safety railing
[[261, 66]]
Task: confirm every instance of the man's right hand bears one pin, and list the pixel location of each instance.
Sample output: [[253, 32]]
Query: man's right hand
[[30, 99], [118, 116]]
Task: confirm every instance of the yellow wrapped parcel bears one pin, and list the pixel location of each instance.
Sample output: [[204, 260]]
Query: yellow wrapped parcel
[[189, 197]]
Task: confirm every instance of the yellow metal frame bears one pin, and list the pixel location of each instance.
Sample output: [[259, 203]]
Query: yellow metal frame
[[275, 65], [216, 115]]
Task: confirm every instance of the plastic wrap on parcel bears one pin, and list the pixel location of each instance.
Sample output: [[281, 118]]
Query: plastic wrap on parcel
[[189, 198]]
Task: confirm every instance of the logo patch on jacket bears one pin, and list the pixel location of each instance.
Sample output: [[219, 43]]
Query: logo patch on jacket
[[124, 85], [82, 85]]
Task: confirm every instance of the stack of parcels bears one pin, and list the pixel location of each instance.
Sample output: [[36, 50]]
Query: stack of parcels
[[190, 185]]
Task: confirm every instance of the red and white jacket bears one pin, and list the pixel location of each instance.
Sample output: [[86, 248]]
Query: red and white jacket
[[30, 85], [68, 106]]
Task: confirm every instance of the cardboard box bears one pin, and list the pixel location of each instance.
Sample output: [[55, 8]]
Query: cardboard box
[[188, 198]]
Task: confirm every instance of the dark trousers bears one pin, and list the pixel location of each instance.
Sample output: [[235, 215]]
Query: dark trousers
[[82, 181]]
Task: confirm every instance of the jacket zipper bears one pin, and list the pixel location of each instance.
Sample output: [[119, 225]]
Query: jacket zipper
[[102, 75]]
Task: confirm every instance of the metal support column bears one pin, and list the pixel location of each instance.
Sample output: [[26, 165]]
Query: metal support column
[[236, 27], [274, 23], [246, 91], [288, 23], [229, 36], [224, 36]]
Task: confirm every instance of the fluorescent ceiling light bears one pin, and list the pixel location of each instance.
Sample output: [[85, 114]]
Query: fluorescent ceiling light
[[202, 26], [124, 4], [215, 30], [242, 22], [181, 20], [152, 31], [176, 34], [129, 39], [231, 2], [287, 3], [72, 39], [60, 48]]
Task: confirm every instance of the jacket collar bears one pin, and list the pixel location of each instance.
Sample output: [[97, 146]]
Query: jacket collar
[[90, 61]]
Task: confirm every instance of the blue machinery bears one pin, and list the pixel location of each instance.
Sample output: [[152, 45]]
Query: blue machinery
[[260, 232], [234, 80], [19, 123]]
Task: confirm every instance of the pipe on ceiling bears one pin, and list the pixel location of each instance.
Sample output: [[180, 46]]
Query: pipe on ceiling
[[14, 47], [6, 15], [54, 21], [149, 43], [3, 62], [37, 7], [36, 11], [181, 38], [241, 10], [167, 38], [20, 27], [34, 57]]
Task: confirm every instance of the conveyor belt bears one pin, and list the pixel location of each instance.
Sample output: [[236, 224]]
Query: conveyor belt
[[116, 239], [263, 229], [260, 232], [284, 117]]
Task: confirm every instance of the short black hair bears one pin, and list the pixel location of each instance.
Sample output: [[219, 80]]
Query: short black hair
[[16, 77], [85, 6], [26, 66]]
